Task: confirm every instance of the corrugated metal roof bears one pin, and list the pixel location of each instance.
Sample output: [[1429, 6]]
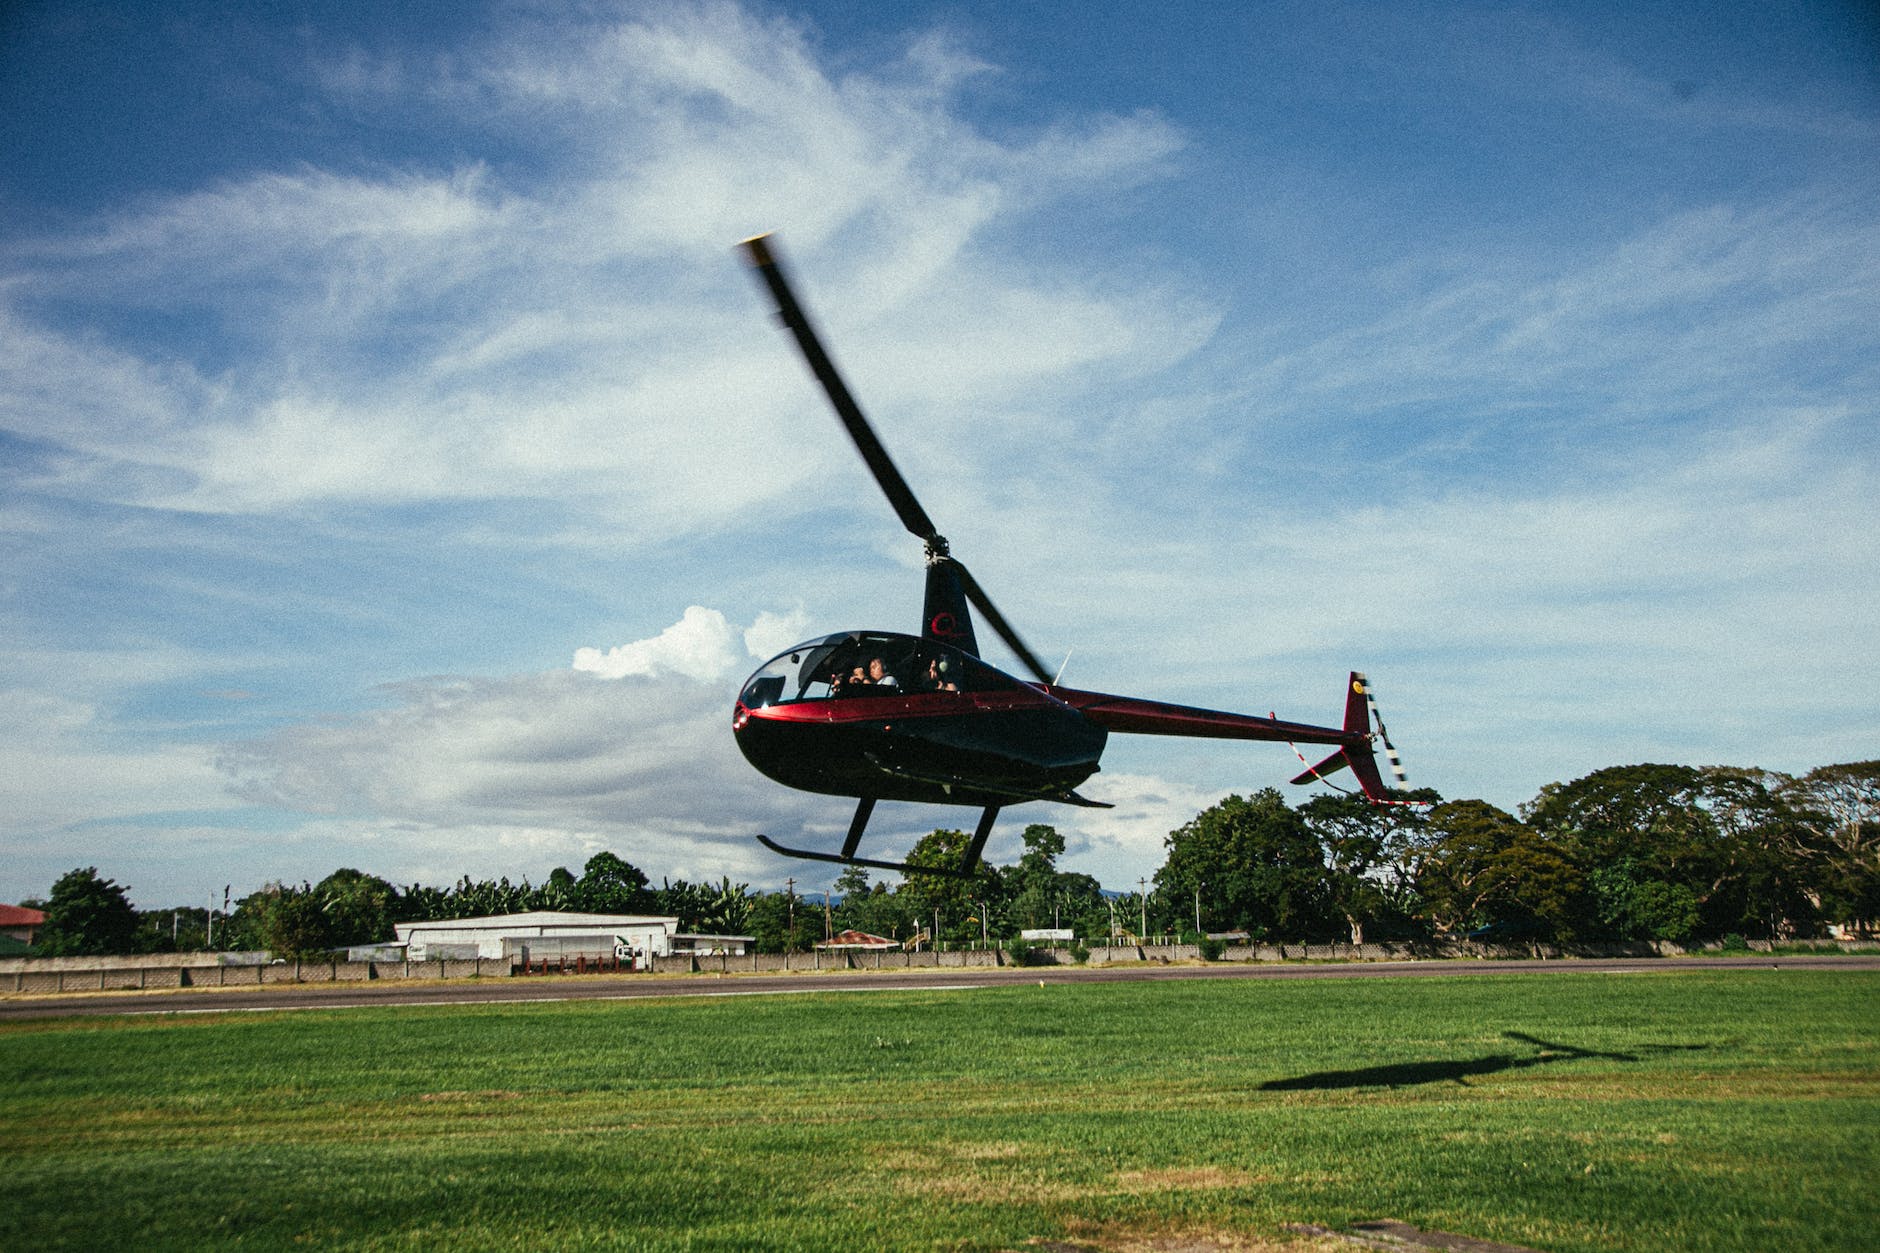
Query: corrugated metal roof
[[539, 918]]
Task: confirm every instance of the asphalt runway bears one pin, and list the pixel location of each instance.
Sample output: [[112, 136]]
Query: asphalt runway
[[418, 993]]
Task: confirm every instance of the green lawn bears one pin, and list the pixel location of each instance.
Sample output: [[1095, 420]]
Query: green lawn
[[1685, 1109]]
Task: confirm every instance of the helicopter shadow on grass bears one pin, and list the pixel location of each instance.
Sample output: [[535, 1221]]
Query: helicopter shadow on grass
[[1412, 1074]]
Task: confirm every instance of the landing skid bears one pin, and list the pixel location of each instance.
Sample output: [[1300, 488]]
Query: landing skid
[[969, 862], [839, 859]]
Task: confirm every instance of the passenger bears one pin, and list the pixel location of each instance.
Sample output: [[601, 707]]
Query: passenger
[[937, 680], [878, 673], [850, 684]]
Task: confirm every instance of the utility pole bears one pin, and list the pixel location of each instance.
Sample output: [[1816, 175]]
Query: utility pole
[[789, 938], [1142, 891], [1198, 907]]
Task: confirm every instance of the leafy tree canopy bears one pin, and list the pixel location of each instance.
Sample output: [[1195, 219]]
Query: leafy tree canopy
[[1255, 865], [85, 915]]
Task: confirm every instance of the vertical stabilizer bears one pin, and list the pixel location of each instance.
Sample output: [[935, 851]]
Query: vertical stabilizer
[[947, 616]]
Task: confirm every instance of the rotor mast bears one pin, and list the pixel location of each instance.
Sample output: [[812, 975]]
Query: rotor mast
[[952, 591]]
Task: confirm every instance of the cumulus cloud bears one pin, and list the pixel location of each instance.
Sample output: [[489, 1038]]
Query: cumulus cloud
[[629, 749], [701, 645]]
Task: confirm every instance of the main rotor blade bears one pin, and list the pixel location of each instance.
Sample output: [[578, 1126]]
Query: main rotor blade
[[996, 620], [899, 494]]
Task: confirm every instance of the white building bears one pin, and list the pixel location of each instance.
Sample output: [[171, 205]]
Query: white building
[[557, 932]]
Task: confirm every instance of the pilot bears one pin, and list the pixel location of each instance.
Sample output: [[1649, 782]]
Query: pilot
[[878, 673]]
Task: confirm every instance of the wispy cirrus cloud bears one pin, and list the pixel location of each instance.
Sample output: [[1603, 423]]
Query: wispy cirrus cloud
[[411, 335]]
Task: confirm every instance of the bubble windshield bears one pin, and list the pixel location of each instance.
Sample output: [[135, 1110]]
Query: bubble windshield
[[868, 663]]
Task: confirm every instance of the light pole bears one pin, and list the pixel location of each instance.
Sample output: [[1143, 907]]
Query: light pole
[[1198, 886], [1143, 886]]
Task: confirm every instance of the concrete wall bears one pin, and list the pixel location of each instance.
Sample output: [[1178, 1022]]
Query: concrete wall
[[846, 959], [30, 975], [176, 970]]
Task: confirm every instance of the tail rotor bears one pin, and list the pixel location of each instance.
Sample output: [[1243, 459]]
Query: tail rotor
[[1383, 736]]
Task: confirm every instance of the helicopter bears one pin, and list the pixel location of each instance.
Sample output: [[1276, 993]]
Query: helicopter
[[884, 715]]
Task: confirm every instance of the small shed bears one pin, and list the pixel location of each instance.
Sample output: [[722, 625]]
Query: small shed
[[684, 942], [859, 941]]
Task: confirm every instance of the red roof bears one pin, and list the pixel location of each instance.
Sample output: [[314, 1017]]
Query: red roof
[[859, 939], [20, 916]]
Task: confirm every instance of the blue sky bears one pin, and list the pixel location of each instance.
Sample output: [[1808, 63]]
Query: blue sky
[[402, 472]]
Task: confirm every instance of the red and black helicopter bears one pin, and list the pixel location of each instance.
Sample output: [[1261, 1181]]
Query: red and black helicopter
[[880, 715]]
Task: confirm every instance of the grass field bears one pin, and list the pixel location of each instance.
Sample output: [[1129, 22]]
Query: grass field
[[1731, 1109]]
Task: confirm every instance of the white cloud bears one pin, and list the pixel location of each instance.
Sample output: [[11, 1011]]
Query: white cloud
[[630, 749], [774, 632], [413, 335], [61, 762], [701, 645]]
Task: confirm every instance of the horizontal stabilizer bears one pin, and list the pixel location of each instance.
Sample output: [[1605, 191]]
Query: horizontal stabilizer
[[1331, 765], [1362, 763]]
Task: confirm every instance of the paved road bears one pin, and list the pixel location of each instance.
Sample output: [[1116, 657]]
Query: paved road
[[276, 997]]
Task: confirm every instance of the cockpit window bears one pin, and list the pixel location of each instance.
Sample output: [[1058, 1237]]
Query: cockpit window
[[868, 664]]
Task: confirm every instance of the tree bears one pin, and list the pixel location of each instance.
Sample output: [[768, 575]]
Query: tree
[[923, 895], [85, 915], [609, 885], [1840, 804], [1772, 859], [1487, 870], [1368, 851], [727, 908], [286, 921], [558, 891], [1723, 834], [1041, 895], [1256, 866], [358, 907], [781, 922]]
